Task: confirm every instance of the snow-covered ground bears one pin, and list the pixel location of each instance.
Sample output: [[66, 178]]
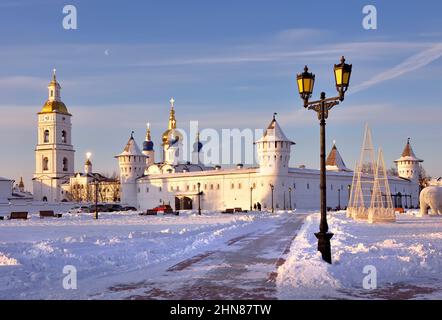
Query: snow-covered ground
[[407, 256], [117, 248]]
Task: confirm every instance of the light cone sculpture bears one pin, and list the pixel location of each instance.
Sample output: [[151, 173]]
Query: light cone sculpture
[[363, 179], [381, 206]]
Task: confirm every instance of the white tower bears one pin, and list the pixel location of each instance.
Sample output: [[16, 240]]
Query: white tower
[[132, 164], [54, 153], [148, 149], [274, 150], [408, 165], [88, 164]]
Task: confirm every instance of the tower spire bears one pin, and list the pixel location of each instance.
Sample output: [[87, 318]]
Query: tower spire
[[148, 137], [172, 120]]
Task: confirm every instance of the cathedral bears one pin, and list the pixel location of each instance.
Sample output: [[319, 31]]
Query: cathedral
[[272, 185]]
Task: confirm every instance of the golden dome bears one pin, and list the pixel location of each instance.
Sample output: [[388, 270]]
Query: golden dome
[[171, 134], [54, 106]]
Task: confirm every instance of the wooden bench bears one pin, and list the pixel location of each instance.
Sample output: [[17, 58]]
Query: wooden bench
[[149, 212], [238, 209], [49, 214], [399, 210], [18, 215], [229, 211], [170, 211]]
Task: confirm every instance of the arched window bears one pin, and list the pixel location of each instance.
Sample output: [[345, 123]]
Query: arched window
[[46, 136], [45, 199], [45, 164], [65, 164], [64, 137]]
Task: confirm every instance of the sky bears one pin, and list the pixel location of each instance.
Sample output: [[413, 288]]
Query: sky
[[228, 64]]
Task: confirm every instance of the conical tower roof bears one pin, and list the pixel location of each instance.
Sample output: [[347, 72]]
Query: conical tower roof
[[334, 160], [274, 132], [408, 154], [131, 148]]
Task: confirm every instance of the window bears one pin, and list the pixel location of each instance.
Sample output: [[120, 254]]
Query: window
[[45, 164], [64, 137], [239, 185], [308, 186], [160, 189], [211, 187], [147, 189], [65, 164], [52, 93], [217, 186], [232, 186], [46, 136]]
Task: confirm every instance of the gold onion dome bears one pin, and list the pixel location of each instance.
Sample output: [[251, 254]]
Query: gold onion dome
[[54, 106], [54, 103], [171, 134]]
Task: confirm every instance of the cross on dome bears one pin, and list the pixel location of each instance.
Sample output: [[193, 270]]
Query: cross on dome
[[172, 102]]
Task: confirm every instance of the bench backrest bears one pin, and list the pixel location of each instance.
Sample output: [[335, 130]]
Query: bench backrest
[[47, 213], [18, 215]]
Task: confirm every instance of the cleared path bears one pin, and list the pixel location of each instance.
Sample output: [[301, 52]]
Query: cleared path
[[244, 268]]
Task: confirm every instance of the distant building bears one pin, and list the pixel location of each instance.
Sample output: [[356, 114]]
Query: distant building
[[10, 194]]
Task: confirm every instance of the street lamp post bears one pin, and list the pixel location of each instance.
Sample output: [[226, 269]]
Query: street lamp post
[[290, 198], [273, 188], [251, 198], [96, 199], [339, 199], [199, 198], [322, 107]]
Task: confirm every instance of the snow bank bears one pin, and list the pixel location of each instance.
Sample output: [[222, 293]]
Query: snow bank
[[116, 248], [409, 251]]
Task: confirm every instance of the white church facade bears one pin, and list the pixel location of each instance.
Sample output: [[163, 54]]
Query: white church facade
[[272, 185]]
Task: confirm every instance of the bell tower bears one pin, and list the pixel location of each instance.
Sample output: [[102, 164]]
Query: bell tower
[[54, 153]]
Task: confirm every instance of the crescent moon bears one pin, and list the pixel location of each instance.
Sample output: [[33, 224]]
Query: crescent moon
[[106, 52]]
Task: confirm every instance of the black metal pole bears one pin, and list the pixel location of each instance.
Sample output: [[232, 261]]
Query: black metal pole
[[96, 200], [339, 199], [290, 198], [251, 199], [199, 198], [323, 235]]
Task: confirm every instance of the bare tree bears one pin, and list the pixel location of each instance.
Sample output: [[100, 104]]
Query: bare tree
[[393, 171], [424, 178]]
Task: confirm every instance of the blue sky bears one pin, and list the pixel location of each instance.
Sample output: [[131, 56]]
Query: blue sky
[[228, 64]]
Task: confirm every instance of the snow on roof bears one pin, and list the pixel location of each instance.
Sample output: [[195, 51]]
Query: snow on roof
[[274, 133], [131, 148], [408, 154]]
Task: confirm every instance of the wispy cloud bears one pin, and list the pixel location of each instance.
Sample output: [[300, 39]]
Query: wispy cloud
[[412, 63]]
